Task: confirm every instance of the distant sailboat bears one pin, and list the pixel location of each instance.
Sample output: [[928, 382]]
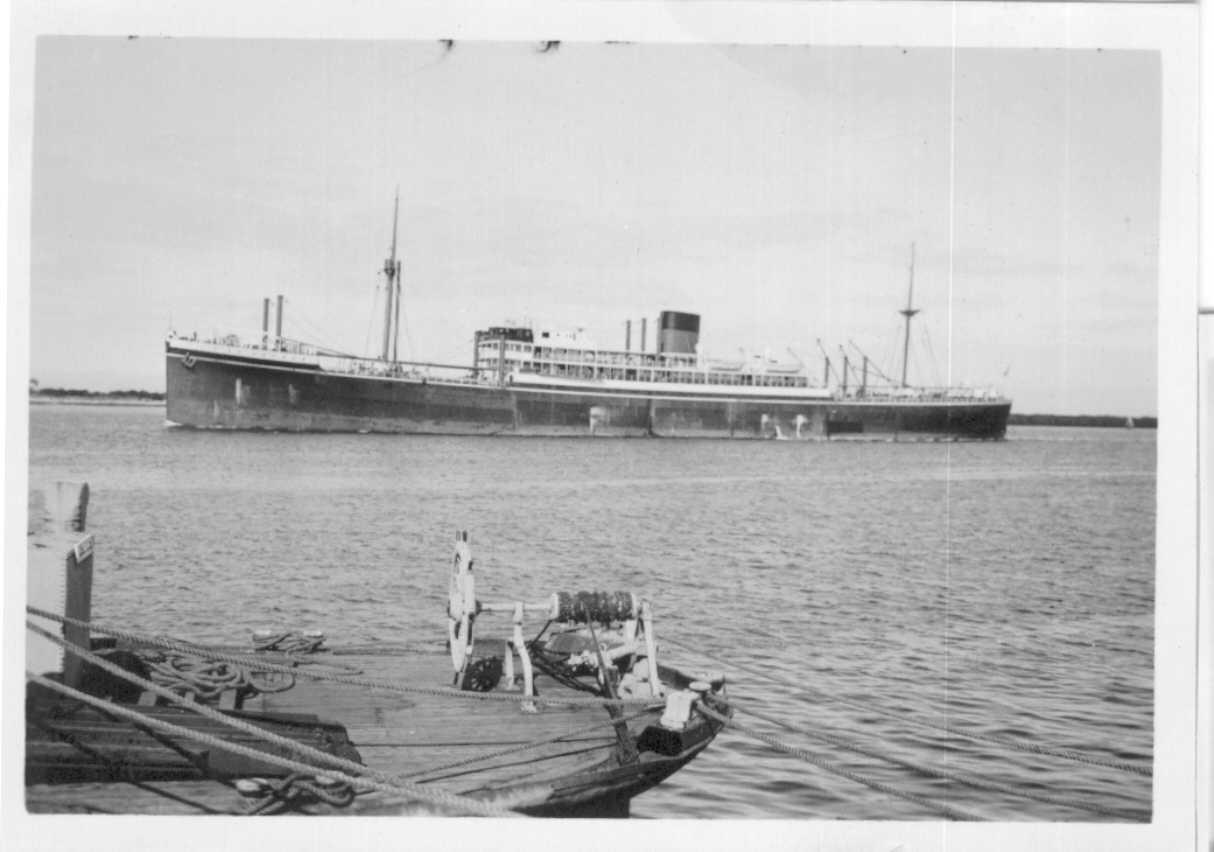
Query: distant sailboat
[[1129, 423]]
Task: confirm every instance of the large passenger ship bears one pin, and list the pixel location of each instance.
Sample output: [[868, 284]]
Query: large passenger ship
[[527, 382]]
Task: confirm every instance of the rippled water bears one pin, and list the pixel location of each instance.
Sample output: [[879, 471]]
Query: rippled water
[[897, 591]]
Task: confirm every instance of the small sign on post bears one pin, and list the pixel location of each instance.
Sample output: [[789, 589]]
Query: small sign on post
[[59, 573]]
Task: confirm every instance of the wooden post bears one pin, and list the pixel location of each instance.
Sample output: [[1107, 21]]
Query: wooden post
[[651, 650], [60, 572]]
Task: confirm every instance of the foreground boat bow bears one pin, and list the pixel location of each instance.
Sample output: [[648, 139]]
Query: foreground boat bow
[[585, 720]]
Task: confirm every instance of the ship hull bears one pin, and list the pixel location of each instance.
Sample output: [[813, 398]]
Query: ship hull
[[252, 392]]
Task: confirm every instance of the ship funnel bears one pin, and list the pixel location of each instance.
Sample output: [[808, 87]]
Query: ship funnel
[[678, 332]]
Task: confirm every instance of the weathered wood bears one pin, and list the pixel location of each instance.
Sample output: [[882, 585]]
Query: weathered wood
[[193, 798], [69, 741], [60, 571], [154, 797], [445, 742], [415, 736]]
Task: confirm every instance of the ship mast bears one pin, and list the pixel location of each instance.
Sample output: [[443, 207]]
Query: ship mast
[[908, 313], [392, 270]]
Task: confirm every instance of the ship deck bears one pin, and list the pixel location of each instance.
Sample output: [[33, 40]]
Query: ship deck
[[563, 760]]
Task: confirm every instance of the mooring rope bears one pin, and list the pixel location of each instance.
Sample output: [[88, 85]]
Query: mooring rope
[[117, 767], [953, 733], [506, 752], [373, 683], [269, 736], [385, 781], [438, 797], [528, 761], [822, 763], [956, 777]]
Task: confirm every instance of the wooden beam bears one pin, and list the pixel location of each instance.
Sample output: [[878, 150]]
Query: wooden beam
[[60, 571]]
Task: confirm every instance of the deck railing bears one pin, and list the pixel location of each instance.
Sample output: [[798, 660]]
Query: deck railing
[[678, 370]]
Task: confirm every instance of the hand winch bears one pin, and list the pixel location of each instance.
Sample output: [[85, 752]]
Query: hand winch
[[580, 608]]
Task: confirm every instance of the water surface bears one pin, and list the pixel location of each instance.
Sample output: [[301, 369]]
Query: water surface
[[908, 589]]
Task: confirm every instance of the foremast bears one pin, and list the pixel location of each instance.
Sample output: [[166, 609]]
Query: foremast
[[908, 313], [392, 297]]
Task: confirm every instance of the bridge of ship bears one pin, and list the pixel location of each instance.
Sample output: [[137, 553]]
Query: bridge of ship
[[498, 356]]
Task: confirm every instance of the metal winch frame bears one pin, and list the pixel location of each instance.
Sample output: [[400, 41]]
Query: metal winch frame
[[463, 609]]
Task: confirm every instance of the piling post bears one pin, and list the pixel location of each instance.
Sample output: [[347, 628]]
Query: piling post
[[59, 572]]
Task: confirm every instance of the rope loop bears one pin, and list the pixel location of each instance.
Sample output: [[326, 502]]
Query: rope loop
[[288, 642], [295, 792]]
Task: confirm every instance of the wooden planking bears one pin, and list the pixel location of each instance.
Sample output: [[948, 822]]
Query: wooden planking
[[412, 721], [182, 798], [191, 798], [69, 741], [407, 735], [412, 737]]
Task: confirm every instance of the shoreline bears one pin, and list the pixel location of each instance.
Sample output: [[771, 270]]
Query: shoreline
[[98, 400]]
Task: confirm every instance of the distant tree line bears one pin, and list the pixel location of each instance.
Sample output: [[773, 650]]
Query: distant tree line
[[1108, 420], [118, 394]]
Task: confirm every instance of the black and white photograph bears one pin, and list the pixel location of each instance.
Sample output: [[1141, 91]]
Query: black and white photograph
[[744, 423], [1205, 696]]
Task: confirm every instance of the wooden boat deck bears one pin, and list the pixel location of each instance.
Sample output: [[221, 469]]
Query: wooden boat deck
[[460, 744], [90, 748]]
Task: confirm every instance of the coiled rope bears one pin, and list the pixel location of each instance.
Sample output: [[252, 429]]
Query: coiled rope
[[374, 683], [953, 733], [206, 680], [822, 763], [370, 778], [955, 777]]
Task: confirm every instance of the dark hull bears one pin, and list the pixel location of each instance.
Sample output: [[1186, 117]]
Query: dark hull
[[206, 390]]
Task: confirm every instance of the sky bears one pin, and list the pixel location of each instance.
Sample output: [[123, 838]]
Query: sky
[[775, 190]]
